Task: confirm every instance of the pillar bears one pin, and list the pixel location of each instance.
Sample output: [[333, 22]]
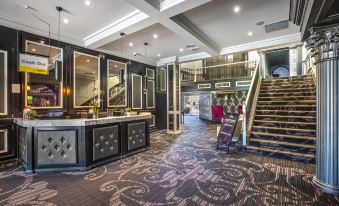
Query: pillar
[[173, 99], [323, 45]]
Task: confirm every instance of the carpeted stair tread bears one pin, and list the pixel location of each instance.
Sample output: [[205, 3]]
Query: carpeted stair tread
[[283, 135], [290, 101], [285, 122], [265, 149], [283, 143], [290, 89], [290, 117], [288, 111], [274, 94], [288, 97], [287, 105], [284, 128]]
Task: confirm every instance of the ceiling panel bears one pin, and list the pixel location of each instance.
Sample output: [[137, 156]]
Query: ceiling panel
[[83, 20], [223, 26]]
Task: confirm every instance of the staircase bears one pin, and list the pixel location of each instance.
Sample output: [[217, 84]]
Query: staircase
[[285, 119]]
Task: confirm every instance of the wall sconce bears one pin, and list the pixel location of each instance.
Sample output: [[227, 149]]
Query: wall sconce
[[145, 91]]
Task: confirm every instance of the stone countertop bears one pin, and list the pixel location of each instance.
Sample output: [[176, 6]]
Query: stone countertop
[[78, 122]]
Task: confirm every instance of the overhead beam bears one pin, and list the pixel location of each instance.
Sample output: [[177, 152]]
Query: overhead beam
[[179, 25]]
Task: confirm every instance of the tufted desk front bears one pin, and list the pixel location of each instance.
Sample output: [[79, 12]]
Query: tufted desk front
[[80, 144]]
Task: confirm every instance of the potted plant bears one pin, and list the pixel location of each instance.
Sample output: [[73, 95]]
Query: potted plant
[[31, 114], [128, 111], [96, 105]]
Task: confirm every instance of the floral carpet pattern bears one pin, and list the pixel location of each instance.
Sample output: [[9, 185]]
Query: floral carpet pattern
[[177, 170]]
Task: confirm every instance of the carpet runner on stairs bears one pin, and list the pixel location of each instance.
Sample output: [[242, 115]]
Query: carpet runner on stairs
[[285, 119]]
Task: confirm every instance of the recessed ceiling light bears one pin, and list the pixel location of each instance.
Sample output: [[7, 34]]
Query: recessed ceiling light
[[250, 33], [155, 36], [134, 53], [181, 49], [158, 55], [236, 9], [88, 61], [42, 41], [33, 49], [130, 44], [88, 3], [115, 66], [66, 21]]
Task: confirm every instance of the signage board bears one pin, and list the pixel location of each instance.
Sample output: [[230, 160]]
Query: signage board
[[33, 64]]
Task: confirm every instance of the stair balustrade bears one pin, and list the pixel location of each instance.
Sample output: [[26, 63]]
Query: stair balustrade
[[251, 102], [218, 72]]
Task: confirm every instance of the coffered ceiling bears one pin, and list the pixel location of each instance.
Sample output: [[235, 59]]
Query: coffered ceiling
[[189, 29]]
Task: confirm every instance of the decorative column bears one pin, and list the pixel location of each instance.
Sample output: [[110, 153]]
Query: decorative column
[[323, 45], [173, 99]]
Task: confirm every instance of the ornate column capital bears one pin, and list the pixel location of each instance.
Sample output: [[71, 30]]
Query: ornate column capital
[[323, 40]]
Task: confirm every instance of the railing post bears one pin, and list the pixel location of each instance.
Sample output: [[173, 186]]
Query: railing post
[[244, 126]]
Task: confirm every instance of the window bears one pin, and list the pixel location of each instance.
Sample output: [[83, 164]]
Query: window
[[86, 79], [116, 84], [3, 82], [162, 79], [44, 91]]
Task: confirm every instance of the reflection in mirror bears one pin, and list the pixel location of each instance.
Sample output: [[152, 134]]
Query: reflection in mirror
[[86, 79], [44, 91], [116, 84], [3, 83]]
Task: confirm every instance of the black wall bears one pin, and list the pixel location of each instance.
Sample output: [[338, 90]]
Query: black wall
[[16, 101], [13, 41]]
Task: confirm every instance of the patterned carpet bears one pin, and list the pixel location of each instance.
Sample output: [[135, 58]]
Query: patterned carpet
[[177, 170]]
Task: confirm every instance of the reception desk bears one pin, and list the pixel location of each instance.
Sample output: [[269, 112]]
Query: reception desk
[[79, 144]]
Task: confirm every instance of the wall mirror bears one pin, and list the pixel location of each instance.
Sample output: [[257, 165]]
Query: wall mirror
[[162, 82], [3, 82], [150, 95], [86, 82], [137, 91], [45, 91], [116, 84]]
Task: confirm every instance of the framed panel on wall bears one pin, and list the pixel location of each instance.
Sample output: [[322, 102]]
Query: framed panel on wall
[[116, 84], [86, 79], [3, 141], [3, 82], [150, 73], [162, 80], [136, 91], [150, 95], [45, 91]]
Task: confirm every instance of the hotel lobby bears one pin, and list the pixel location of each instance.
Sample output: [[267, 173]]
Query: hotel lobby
[[169, 102]]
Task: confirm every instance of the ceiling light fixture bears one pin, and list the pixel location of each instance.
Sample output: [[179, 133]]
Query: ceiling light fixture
[[134, 53], [66, 21], [250, 33], [181, 49], [155, 36], [88, 61], [158, 55], [88, 3], [130, 44], [33, 50], [42, 42], [236, 9]]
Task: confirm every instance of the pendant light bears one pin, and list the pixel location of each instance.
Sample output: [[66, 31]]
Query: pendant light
[[58, 62]]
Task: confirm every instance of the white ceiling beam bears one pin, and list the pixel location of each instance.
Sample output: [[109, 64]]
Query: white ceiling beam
[[183, 29]]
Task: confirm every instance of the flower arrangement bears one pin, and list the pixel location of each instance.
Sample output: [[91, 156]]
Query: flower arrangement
[[31, 114], [96, 105]]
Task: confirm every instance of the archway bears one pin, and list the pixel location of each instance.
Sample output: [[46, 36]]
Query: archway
[[281, 71]]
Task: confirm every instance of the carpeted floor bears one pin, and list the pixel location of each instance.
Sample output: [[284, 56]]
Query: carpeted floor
[[177, 170]]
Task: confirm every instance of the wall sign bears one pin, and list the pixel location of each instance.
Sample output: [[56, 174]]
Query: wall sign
[[33, 64]]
